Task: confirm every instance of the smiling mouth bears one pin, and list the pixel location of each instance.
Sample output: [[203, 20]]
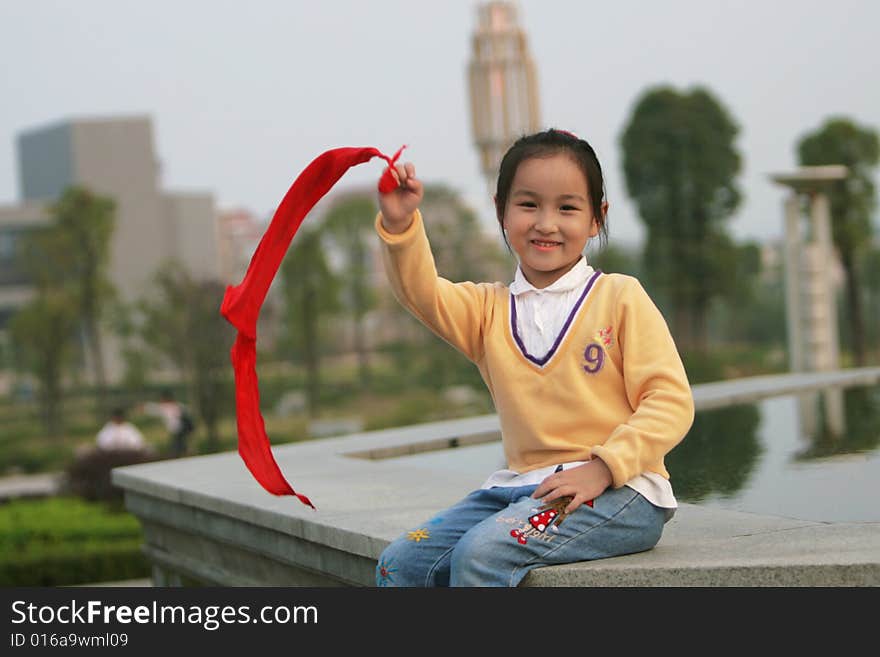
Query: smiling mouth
[[541, 244]]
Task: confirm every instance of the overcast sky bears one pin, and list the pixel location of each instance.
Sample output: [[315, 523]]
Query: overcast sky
[[244, 94]]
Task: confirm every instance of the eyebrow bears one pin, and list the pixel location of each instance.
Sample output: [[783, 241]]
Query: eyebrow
[[563, 197]]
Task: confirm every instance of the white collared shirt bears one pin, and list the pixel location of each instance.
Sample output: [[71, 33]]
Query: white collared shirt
[[540, 316], [541, 313]]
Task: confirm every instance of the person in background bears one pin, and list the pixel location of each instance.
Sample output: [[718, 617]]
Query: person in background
[[176, 418], [118, 433]]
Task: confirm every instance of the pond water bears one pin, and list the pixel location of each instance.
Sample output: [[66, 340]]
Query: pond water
[[813, 457]]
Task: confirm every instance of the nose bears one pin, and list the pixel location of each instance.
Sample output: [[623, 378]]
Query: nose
[[545, 222]]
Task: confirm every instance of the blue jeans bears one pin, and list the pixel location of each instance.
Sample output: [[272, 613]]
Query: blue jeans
[[494, 536]]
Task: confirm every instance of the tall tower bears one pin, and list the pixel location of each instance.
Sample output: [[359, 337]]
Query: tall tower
[[503, 85]]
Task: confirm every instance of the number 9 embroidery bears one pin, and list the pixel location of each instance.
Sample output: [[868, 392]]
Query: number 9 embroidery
[[594, 356]]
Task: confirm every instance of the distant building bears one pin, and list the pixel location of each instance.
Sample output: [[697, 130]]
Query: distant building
[[239, 233], [113, 157]]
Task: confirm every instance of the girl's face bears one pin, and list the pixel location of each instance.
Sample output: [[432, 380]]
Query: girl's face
[[548, 217]]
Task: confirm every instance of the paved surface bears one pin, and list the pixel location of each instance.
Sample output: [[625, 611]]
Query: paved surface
[[35, 485]]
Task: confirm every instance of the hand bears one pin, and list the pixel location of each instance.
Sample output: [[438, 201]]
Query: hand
[[399, 205], [582, 483]]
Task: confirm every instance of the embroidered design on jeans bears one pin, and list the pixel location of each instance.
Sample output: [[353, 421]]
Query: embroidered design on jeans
[[542, 520], [519, 536], [385, 573], [536, 526], [418, 535], [548, 516], [527, 531]]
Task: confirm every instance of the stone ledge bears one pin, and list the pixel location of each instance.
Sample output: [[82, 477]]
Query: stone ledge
[[207, 519]]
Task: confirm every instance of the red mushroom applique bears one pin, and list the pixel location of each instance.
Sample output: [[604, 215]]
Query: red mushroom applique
[[542, 520]]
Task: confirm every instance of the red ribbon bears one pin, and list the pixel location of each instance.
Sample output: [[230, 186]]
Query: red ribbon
[[241, 303]]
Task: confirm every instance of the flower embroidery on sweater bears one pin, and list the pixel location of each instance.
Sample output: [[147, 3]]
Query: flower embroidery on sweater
[[605, 337], [594, 354]]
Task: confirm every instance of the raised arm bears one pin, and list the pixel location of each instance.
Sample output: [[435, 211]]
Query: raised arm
[[454, 311]]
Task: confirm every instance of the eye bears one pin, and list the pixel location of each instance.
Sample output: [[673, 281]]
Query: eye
[[569, 208], [527, 204]]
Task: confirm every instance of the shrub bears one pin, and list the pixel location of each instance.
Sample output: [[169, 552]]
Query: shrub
[[88, 475], [64, 541], [75, 563]]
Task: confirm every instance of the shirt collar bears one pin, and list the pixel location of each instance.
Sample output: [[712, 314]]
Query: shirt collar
[[571, 280]]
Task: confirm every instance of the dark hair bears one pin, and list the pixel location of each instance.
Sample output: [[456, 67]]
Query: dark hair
[[545, 144]]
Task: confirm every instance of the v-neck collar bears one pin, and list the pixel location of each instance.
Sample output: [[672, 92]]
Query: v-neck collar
[[572, 279], [541, 362]]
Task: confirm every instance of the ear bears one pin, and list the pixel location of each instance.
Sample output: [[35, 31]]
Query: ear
[[598, 222]]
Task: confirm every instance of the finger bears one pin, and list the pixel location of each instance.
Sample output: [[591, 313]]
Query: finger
[[543, 488], [402, 176], [573, 505], [410, 169], [414, 185], [546, 485], [554, 494]]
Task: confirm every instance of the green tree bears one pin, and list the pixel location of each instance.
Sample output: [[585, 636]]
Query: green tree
[[614, 259], [871, 267], [311, 293], [680, 165], [842, 141], [182, 322], [349, 226], [42, 334], [212, 371], [738, 289], [72, 255]]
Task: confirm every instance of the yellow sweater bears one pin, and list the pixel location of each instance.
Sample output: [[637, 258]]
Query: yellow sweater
[[613, 386]]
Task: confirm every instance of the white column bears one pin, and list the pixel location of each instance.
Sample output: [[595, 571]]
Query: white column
[[792, 284], [820, 211]]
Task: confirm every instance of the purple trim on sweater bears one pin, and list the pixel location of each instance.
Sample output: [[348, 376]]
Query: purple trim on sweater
[[543, 361]]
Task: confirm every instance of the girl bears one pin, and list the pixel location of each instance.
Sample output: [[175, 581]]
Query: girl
[[587, 382]]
